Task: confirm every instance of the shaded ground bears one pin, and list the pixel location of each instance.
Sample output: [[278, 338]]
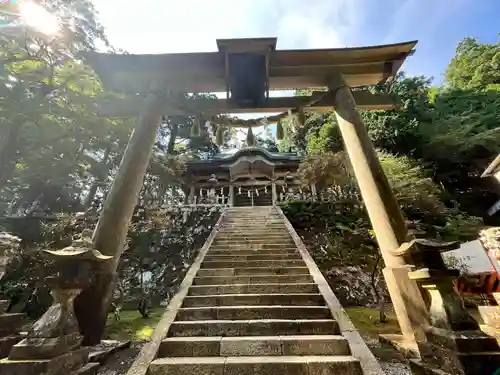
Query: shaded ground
[[367, 321], [120, 362], [131, 326]]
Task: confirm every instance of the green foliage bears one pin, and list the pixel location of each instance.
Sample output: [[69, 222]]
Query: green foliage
[[398, 132], [338, 232], [475, 65], [450, 132], [416, 193], [329, 169], [325, 138]]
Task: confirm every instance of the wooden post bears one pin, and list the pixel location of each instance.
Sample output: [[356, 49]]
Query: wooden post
[[111, 230], [383, 210], [231, 195], [313, 192], [191, 195], [274, 193]]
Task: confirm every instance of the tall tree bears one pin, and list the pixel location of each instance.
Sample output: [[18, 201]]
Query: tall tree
[[475, 65]]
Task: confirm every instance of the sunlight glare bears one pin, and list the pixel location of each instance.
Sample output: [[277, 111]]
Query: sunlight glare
[[39, 18]]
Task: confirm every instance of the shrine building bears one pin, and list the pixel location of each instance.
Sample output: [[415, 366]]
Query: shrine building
[[250, 176]]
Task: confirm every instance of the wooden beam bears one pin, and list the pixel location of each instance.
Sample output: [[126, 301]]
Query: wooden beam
[[288, 69], [131, 106]]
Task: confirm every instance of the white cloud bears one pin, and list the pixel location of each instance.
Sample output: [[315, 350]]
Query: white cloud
[[164, 26]]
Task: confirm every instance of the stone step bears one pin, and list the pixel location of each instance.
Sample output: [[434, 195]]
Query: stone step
[[490, 315], [255, 279], [298, 299], [252, 271], [251, 240], [251, 237], [268, 327], [248, 229], [466, 341], [279, 365], [251, 263], [286, 251], [244, 258], [253, 312], [238, 245], [253, 247], [4, 305], [250, 224], [253, 233], [11, 323], [203, 290], [257, 222], [496, 296], [254, 346], [271, 245], [255, 219]]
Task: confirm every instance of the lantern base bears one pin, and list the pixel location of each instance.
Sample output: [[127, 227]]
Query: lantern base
[[61, 365], [45, 348]]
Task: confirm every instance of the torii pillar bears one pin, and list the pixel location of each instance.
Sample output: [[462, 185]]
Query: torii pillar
[[383, 210], [111, 231]]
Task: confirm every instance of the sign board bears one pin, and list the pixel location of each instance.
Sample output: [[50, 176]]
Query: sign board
[[470, 258]]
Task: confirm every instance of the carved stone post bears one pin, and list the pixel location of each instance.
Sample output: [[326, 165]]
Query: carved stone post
[[111, 231], [383, 210], [490, 239], [454, 345]]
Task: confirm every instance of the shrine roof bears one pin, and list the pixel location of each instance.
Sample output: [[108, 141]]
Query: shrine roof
[[226, 159], [288, 69]]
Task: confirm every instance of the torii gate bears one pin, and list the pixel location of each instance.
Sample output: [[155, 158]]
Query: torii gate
[[246, 69]]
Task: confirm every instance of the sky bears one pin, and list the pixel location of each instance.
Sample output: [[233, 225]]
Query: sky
[[168, 26]]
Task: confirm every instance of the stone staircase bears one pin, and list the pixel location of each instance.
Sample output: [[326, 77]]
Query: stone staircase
[[10, 325], [253, 308]]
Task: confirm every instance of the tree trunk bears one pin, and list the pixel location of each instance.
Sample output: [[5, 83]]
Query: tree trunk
[[93, 304], [9, 153], [378, 295], [381, 309]]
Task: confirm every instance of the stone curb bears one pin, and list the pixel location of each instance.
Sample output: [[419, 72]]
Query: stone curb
[[359, 349]]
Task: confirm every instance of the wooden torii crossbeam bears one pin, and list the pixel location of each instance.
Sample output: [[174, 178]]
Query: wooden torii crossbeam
[[246, 69]]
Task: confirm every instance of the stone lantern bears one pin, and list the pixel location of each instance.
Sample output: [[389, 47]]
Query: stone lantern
[[454, 344], [53, 344]]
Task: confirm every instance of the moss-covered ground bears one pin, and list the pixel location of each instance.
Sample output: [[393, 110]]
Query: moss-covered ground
[[132, 326]]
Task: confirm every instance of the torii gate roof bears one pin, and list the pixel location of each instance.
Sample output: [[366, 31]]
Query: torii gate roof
[[288, 69]]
